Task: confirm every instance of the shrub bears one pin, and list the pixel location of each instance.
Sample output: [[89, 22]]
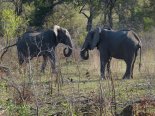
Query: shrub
[[11, 24]]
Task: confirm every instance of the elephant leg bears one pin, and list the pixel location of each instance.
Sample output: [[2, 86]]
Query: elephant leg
[[103, 64], [52, 61], [108, 68], [127, 74], [102, 69], [133, 65], [129, 70], [45, 58]]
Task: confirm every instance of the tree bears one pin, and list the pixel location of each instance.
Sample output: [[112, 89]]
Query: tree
[[134, 14], [90, 9], [18, 6], [89, 18], [107, 8], [43, 8], [11, 24]]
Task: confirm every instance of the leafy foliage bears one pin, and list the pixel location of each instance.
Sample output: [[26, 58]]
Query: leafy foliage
[[148, 22], [29, 12], [12, 25]]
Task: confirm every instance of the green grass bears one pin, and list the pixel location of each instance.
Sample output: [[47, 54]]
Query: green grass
[[82, 92]]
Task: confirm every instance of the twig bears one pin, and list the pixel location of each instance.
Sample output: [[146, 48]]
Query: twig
[[81, 11]]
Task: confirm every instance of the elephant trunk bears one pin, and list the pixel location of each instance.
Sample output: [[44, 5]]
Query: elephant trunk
[[67, 51], [84, 54]]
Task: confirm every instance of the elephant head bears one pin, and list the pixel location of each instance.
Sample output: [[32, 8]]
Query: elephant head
[[90, 43], [64, 37]]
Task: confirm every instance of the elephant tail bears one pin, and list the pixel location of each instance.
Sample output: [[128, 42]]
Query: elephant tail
[[139, 46], [140, 64]]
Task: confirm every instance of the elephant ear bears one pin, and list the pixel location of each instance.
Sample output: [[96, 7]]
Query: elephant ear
[[55, 29], [96, 37]]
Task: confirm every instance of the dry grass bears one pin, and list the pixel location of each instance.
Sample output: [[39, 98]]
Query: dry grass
[[26, 91]]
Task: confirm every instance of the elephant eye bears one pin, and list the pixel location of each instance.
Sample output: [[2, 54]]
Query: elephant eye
[[64, 31]]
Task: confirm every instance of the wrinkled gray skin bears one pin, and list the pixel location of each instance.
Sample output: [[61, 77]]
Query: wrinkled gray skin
[[34, 44], [122, 44]]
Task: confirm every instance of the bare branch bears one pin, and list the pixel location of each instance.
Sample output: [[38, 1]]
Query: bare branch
[[6, 49], [5, 70], [81, 11]]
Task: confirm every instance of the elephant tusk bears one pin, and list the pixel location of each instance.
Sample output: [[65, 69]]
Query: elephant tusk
[[82, 49], [69, 47], [84, 54]]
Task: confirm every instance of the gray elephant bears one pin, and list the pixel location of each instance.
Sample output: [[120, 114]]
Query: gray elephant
[[123, 44], [43, 43]]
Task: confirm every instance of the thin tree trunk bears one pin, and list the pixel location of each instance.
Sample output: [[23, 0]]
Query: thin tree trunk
[[18, 6], [110, 19], [90, 17], [90, 20]]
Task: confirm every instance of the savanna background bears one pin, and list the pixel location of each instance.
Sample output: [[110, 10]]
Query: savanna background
[[77, 90]]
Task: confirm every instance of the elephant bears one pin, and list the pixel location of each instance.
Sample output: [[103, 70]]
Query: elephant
[[42, 43], [122, 44]]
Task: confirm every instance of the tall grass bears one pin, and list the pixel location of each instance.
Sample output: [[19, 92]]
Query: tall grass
[[26, 91]]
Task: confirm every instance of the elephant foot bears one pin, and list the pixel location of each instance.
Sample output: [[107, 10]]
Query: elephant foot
[[103, 78], [126, 77], [108, 76]]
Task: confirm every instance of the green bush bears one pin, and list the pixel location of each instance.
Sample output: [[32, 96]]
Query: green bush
[[29, 12], [11, 25], [68, 17], [18, 110], [148, 23]]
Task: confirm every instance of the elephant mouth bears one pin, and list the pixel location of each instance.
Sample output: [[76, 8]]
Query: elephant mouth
[[84, 54], [67, 51]]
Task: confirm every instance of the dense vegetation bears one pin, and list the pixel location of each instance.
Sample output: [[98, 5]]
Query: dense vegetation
[[24, 91], [79, 16]]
